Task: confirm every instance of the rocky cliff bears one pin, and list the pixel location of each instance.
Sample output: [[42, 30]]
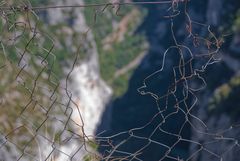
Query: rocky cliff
[[105, 70]]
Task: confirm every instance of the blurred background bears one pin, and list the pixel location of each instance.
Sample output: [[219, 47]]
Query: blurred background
[[77, 82]]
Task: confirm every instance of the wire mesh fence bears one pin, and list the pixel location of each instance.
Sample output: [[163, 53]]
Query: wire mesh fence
[[41, 117]]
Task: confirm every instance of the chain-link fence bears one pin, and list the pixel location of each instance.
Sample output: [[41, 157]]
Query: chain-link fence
[[41, 115]]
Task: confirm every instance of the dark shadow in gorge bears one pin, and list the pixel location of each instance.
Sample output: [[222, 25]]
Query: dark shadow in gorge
[[133, 110]]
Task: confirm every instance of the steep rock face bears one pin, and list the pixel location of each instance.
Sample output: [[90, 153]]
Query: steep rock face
[[65, 42], [85, 85], [90, 92], [219, 116], [221, 113]]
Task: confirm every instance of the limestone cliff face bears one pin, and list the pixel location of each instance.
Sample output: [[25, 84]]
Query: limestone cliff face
[[89, 91], [114, 47], [71, 53]]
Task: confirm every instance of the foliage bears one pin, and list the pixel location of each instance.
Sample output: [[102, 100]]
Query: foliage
[[116, 46], [236, 24], [225, 98], [28, 90]]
